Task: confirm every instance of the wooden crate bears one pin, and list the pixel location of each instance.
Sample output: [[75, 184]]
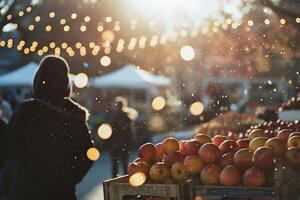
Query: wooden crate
[[220, 192], [120, 189]]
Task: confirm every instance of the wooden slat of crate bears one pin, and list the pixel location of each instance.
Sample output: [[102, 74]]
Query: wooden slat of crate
[[116, 189], [218, 192]]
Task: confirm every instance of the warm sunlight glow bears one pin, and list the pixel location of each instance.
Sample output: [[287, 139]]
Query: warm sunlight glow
[[175, 13], [158, 103], [137, 179], [105, 131], [187, 53]]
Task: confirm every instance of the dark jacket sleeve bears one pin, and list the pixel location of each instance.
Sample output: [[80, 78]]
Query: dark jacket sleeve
[[15, 134], [80, 164]]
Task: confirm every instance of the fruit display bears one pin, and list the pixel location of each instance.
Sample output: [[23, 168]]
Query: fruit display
[[250, 161], [228, 122]]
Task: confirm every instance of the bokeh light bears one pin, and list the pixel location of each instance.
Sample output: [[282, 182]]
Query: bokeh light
[[187, 53], [137, 179], [158, 103], [105, 61], [105, 131], [93, 154], [108, 36], [81, 80], [196, 108]]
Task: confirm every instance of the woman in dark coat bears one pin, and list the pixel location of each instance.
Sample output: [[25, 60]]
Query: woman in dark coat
[[46, 140]]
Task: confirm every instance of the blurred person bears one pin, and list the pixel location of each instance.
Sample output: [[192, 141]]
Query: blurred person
[[46, 140], [5, 107], [122, 120]]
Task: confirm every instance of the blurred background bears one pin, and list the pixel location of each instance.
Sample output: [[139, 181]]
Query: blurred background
[[183, 65]]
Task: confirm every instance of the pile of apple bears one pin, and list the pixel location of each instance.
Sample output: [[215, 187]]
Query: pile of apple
[[220, 160]]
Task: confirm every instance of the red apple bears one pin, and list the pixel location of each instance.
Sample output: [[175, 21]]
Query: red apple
[[218, 139], [178, 172], [202, 138], [264, 158], [243, 158], [173, 157], [257, 142], [228, 146], [210, 153], [292, 156], [210, 175], [181, 145], [159, 172], [230, 176], [147, 152], [294, 134], [193, 164], [191, 147], [254, 177], [232, 136], [243, 143], [256, 133], [159, 150], [226, 159], [277, 145], [283, 135], [136, 167], [170, 145], [294, 142]]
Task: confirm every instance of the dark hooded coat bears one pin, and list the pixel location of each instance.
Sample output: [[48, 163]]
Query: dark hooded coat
[[46, 140]]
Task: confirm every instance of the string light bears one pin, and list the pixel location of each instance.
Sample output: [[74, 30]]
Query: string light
[[108, 19], [66, 28], [73, 16], [48, 28], [52, 14], [87, 19], [37, 19], [282, 21]]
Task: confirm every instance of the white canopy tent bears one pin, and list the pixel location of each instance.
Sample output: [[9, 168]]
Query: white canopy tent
[[22, 77], [130, 77]]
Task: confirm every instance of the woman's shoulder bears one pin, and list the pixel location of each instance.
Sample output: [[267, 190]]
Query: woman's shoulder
[[72, 107]]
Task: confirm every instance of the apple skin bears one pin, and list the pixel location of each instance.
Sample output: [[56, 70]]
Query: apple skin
[[243, 158], [292, 156], [226, 159], [173, 157], [254, 177], [202, 138], [264, 158], [257, 142], [277, 145], [230, 176], [181, 145], [136, 167], [191, 147], [294, 134], [210, 153], [218, 139], [159, 150], [147, 152], [232, 136], [210, 175], [170, 145], [243, 143], [159, 172], [178, 172], [193, 164], [294, 142], [256, 133], [284, 135], [228, 146]]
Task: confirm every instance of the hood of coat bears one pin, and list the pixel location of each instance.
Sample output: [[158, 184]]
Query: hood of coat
[[51, 82]]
